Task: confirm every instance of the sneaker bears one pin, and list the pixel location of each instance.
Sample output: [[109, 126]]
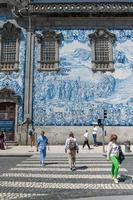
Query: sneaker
[[116, 180], [113, 178], [74, 168], [42, 163]]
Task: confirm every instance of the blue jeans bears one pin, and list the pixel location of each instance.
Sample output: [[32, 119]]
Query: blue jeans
[[95, 139], [42, 154]]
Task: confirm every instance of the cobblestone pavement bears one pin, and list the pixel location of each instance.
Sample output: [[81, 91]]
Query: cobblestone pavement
[[25, 179]]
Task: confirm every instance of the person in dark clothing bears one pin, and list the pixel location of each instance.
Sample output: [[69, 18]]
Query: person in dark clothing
[[2, 139]]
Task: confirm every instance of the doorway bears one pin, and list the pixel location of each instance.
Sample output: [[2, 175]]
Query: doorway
[[7, 119]]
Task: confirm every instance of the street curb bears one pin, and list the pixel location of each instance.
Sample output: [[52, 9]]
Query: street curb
[[16, 155]]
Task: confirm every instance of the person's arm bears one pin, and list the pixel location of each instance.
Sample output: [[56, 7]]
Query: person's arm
[[109, 147], [77, 146], [47, 143], [37, 145], [66, 146]]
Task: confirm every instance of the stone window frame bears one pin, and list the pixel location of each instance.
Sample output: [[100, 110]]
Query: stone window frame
[[9, 30], [105, 39], [51, 65]]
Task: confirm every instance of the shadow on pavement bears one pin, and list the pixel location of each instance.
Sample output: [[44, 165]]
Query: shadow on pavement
[[124, 178], [81, 167]]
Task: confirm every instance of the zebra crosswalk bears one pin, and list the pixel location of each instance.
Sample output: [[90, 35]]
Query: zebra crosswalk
[[29, 180]]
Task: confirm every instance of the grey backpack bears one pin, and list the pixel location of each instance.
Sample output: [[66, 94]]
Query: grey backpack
[[72, 144]]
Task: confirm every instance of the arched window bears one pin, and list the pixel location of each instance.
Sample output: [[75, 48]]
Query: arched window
[[102, 50], [9, 47], [49, 42]]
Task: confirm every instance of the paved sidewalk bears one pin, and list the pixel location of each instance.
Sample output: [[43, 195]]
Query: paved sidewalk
[[124, 197], [22, 150]]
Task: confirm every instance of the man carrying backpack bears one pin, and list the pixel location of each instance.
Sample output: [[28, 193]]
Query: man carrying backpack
[[71, 147]]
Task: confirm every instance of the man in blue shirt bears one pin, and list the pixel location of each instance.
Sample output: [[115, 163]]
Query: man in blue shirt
[[42, 142]]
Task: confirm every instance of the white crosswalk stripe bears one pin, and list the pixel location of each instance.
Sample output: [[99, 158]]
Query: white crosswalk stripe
[[6, 196], [56, 175], [69, 186], [63, 169], [63, 165]]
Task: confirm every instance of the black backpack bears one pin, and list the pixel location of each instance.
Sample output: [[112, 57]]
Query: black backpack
[[121, 155]]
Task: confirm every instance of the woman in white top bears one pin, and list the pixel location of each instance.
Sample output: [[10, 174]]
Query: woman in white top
[[113, 155]]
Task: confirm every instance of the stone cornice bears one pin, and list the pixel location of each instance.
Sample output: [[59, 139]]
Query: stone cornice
[[90, 8], [115, 8]]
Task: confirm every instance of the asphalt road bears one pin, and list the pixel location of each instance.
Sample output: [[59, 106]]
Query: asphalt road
[[23, 178]]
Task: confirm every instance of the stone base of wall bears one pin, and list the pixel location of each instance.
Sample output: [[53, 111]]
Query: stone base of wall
[[58, 134]]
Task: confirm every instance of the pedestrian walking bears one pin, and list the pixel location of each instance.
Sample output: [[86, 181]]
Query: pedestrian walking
[[71, 148], [113, 155], [94, 134], [42, 142], [2, 140], [31, 132], [86, 140]]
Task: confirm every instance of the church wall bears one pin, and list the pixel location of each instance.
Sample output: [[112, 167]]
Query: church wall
[[15, 80], [75, 96]]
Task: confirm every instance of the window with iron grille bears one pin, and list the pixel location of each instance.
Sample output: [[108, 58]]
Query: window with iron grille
[[9, 47], [8, 50], [102, 50], [49, 51]]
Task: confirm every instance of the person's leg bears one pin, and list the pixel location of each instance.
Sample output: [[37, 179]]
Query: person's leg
[[94, 138], [73, 158], [87, 142], [33, 140], [84, 143], [69, 159], [115, 161], [112, 169], [41, 155]]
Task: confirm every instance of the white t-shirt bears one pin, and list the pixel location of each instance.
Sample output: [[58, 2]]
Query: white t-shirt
[[94, 131], [112, 150], [86, 134]]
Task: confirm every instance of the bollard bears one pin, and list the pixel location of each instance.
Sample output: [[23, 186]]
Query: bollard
[[127, 146]]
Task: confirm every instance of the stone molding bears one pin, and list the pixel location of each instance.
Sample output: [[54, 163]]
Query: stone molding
[[51, 65], [10, 29], [8, 95], [100, 65], [89, 8]]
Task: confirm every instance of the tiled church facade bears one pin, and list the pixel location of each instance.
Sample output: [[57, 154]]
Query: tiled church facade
[[74, 97]]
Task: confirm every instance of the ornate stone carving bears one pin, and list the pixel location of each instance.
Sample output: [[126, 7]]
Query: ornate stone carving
[[53, 64], [7, 95], [84, 8], [102, 50], [102, 34], [9, 30]]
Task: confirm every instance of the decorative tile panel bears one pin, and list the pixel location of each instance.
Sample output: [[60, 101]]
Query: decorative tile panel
[[15, 80], [77, 96]]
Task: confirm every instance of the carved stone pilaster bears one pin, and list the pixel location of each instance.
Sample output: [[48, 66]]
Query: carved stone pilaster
[[28, 74]]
